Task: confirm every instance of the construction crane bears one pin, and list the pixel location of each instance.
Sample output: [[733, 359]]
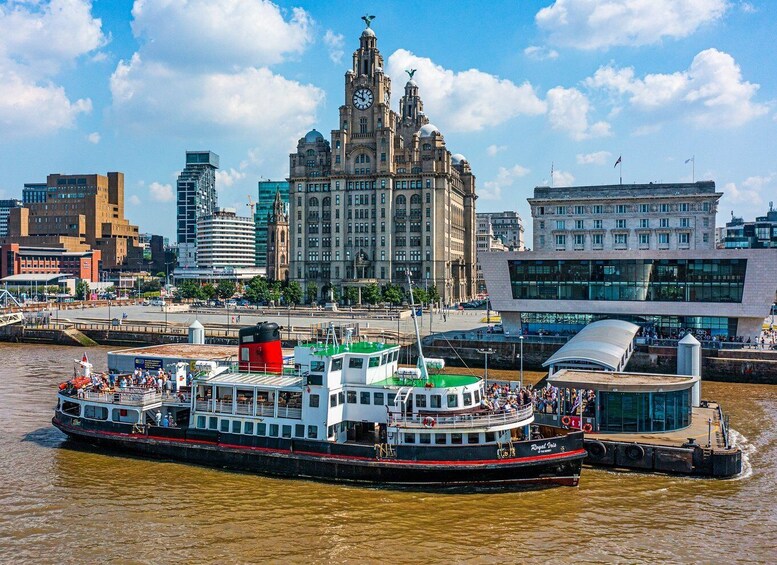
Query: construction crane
[[251, 204]]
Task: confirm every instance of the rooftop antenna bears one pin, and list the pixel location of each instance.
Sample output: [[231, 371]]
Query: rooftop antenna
[[421, 361], [771, 205]]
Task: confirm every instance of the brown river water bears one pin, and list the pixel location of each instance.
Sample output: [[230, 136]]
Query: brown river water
[[63, 504]]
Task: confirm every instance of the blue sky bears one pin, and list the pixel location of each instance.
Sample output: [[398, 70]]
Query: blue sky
[[514, 86]]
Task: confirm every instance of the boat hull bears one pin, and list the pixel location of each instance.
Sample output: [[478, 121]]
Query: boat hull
[[307, 459]]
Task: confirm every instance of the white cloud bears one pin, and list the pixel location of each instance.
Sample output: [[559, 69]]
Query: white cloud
[[594, 24], [710, 92], [135, 201], [597, 158], [199, 34], [751, 190], [178, 82], [539, 53], [492, 150], [568, 111], [160, 192], [334, 43], [38, 38], [492, 190], [469, 100], [225, 179], [93, 137], [562, 178], [747, 8]]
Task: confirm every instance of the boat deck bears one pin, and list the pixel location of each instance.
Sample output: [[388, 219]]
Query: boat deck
[[700, 430]]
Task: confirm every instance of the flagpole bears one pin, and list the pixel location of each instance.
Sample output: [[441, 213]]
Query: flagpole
[[693, 168], [620, 170]]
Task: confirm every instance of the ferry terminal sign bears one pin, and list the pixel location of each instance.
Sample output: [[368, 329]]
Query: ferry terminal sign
[[148, 363]]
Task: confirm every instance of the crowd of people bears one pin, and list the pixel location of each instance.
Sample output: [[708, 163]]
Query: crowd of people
[[503, 397]]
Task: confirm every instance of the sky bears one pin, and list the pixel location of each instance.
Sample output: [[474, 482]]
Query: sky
[[525, 90]]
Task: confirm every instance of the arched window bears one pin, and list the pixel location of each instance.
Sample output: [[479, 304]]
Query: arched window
[[283, 239], [327, 201], [311, 153], [415, 199], [401, 201], [426, 146], [313, 201], [283, 259]]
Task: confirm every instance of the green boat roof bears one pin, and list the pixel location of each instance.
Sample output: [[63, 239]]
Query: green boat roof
[[436, 381], [359, 347]]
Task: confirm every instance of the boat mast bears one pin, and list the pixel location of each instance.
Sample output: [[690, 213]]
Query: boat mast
[[421, 361]]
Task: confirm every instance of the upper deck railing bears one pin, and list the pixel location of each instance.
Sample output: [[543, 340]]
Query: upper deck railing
[[133, 396], [474, 420]]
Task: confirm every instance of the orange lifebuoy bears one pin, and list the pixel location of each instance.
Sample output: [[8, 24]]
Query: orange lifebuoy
[[588, 428], [429, 422], [566, 420]]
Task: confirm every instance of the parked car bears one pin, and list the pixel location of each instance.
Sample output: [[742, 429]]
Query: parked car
[[157, 302]]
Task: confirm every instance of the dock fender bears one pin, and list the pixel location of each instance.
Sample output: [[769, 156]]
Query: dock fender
[[596, 449], [635, 452]]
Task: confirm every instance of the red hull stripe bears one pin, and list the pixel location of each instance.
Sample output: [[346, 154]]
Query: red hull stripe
[[481, 462]]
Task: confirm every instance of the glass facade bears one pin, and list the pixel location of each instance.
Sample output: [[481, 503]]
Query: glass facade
[[662, 280], [644, 411], [665, 326]]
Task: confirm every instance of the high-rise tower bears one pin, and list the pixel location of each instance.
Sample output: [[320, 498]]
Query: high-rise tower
[[196, 199]]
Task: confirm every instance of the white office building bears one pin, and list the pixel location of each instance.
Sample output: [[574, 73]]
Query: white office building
[[224, 240]]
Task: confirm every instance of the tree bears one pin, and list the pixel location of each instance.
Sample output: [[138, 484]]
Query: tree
[[151, 285], [292, 294], [392, 293], [433, 294], [225, 289], [82, 289], [312, 292], [420, 296], [209, 290], [352, 294], [275, 292], [161, 275], [371, 293], [257, 290]]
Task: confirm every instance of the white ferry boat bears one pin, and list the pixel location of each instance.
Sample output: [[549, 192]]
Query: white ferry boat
[[339, 411]]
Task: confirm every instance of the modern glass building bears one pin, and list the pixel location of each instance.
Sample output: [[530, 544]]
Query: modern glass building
[[716, 292], [196, 189], [5, 211], [266, 197]]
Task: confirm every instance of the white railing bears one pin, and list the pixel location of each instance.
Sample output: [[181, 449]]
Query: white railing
[[289, 412], [246, 408], [140, 396], [475, 420]]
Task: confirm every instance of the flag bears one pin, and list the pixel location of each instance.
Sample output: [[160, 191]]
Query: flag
[[84, 359], [689, 160], [616, 162]]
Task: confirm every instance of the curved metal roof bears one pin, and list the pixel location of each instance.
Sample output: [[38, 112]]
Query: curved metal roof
[[603, 342]]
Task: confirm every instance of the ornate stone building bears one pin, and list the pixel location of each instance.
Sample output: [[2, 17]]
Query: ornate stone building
[[386, 196], [278, 240]]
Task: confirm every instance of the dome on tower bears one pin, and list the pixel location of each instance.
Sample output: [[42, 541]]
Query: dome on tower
[[368, 33], [428, 130], [457, 158], [313, 136], [411, 82]]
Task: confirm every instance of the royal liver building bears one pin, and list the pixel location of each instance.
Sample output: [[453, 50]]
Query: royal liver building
[[384, 197]]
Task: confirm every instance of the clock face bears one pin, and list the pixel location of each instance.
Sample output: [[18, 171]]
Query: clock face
[[362, 98]]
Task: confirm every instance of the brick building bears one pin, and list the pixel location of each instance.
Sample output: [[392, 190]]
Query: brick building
[[21, 260]]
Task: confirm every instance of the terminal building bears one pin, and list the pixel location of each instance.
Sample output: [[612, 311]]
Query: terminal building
[[716, 292]]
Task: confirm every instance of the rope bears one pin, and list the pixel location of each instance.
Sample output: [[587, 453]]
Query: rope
[[455, 351]]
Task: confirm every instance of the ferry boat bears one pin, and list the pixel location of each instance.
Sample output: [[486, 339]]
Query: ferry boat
[[341, 410]]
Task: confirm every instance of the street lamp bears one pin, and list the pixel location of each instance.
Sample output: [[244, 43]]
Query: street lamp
[[521, 381], [486, 352]]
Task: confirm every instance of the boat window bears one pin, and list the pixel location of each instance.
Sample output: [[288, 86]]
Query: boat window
[[375, 361], [378, 398], [248, 428], [490, 437], [467, 399], [477, 397], [351, 397], [356, 363], [201, 421], [312, 432], [225, 425], [390, 398], [313, 400], [95, 412], [409, 438], [364, 397], [315, 379], [299, 430], [337, 364], [317, 366], [424, 438], [383, 359], [331, 431], [71, 408], [236, 426], [288, 399], [261, 429], [341, 397], [286, 431], [396, 355], [333, 400], [453, 401], [420, 400], [456, 439], [214, 423], [436, 401], [440, 439], [473, 438]]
